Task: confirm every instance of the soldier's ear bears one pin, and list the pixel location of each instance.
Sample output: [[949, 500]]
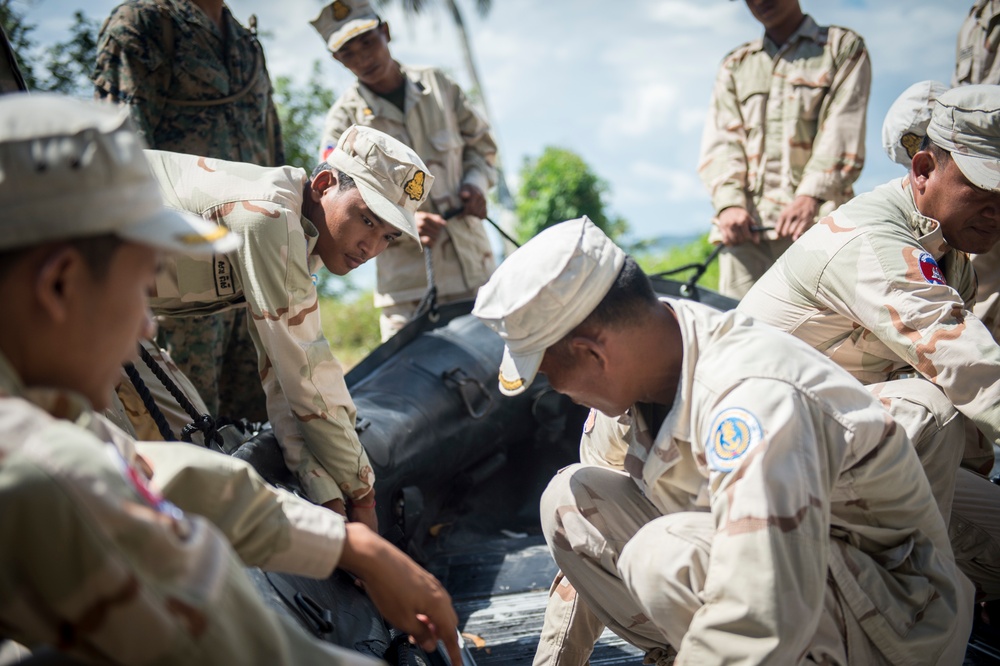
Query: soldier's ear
[[921, 168], [321, 182], [57, 277], [385, 32]]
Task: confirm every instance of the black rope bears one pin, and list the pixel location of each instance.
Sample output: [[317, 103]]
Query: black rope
[[150, 404], [203, 423]]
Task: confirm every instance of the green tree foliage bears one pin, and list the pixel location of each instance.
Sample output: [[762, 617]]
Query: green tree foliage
[[695, 252], [63, 67], [560, 186], [301, 110]]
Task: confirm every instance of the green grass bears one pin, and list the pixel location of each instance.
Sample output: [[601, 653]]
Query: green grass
[[351, 326], [695, 252]]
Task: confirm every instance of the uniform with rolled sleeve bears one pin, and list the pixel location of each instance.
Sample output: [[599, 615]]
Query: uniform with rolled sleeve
[[195, 87], [783, 122], [96, 563], [875, 287], [777, 514], [271, 274], [441, 126]]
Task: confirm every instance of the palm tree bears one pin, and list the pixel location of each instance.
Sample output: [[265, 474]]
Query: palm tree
[[483, 7]]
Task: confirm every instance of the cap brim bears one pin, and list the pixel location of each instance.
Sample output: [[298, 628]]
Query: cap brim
[[180, 232], [984, 173], [350, 30], [517, 372], [387, 211]]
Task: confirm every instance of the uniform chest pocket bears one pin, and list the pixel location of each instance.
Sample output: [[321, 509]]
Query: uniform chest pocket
[[807, 97], [753, 104], [445, 141]]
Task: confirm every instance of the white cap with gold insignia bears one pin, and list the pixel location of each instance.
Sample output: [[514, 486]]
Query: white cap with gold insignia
[[71, 168], [543, 291], [343, 20]]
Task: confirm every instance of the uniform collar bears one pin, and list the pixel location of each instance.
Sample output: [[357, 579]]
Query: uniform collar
[[925, 229], [187, 11], [58, 403], [382, 107], [808, 30]]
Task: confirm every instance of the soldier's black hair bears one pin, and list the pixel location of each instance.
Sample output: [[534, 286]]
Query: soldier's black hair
[[940, 153], [625, 304], [344, 181], [96, 251]]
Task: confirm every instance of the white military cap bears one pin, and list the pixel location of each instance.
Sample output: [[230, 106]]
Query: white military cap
[[966, 123], [392, 179], [905, 124], [343, 20], [71, 168], [543, 291]]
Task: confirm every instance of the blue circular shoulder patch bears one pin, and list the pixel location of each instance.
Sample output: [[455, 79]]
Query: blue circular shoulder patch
[[734, 431], [930, 269]]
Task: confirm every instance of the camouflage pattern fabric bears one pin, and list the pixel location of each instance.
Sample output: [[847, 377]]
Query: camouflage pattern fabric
[[786, 121], [193, 88], [454, 141], [271, 276], [775, 483], [143, 583], [976, 52]]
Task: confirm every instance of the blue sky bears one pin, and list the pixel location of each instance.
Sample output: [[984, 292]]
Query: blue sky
[[626, 84]]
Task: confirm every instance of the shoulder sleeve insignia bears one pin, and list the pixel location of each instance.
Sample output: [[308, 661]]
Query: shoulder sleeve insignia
[[930, 269], [414, 187], [734, 431], [341, 10]]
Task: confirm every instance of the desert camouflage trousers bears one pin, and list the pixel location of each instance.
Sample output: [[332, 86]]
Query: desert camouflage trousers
[[642, 575], [219, 357], [740, 266], [944, 439]]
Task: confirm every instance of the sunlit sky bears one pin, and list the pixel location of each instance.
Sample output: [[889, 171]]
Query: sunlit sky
[[624, 83]]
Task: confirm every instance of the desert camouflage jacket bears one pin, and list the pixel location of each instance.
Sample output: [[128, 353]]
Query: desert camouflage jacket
[[455, 143], [807, 478], [272, 273], [787, 121], [190, 87], [976, 54], [94, 561], [875, 287]]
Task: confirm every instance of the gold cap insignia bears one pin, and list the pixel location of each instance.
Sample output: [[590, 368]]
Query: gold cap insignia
[[341, 10], [510, 385], [414, 187], [911, 142], [198, 239]]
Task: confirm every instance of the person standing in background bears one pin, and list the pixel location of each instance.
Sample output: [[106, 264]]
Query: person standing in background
[[195, 81], [426, 110], [785, 137]]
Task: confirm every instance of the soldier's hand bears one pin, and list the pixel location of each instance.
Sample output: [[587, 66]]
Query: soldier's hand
[[363, 511], [475, 200], [736, 226], [429, 226], [797, 216], [411, 599]]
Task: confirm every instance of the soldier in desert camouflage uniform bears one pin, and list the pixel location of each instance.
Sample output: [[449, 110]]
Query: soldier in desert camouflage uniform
[[426, 110], [784, 139], [883, 286], [143, 582], [353, 206], [746, 501], [976, 62], [195, 82]]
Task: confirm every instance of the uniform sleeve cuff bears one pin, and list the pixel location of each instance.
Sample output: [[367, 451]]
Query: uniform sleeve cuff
[[477, 178]]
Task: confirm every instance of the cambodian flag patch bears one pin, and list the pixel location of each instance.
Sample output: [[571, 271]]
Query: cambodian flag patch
[[930, 269], [327, 149], [734, 432]]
